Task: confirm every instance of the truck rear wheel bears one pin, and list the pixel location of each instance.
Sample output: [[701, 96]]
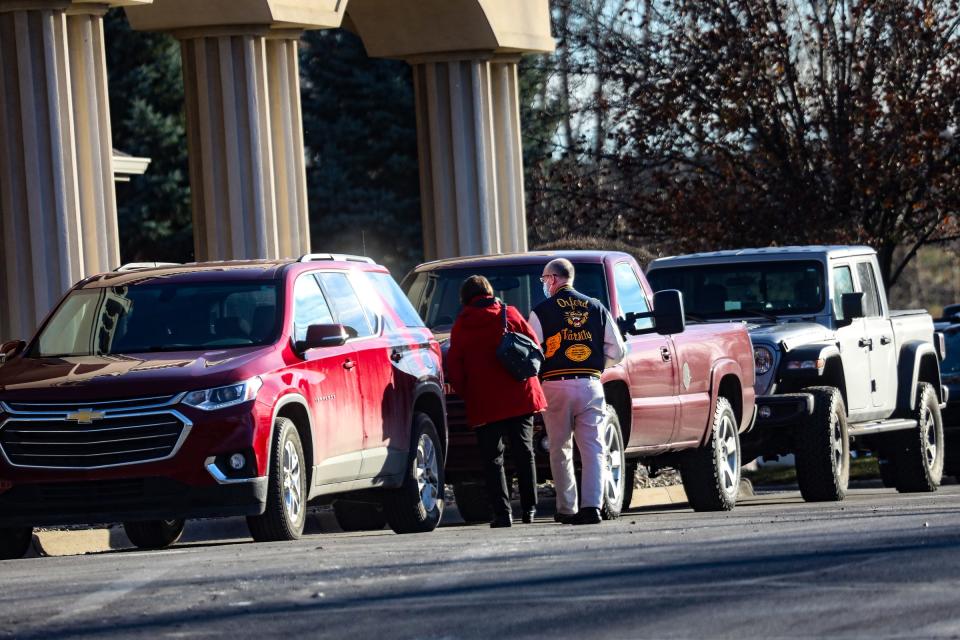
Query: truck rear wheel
[[823, 448], [15, 542], [919, 463], [417, 506], [614, 466], [472, 502], [286, 510], [711, 473], [154, 534], [359, 516]]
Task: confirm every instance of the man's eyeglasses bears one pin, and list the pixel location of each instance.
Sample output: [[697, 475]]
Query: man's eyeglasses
[[544, 277]]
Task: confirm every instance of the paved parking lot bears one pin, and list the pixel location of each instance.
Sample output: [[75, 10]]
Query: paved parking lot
[[878, 565]]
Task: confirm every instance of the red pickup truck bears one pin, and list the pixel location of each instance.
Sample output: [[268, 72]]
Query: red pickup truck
[[680, 399]]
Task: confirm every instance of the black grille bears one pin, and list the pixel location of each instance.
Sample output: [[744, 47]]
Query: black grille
[[456, 414], [105, 405], [114, 440]]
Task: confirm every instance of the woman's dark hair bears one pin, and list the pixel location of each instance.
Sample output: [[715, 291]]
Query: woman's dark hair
[[474, 286]]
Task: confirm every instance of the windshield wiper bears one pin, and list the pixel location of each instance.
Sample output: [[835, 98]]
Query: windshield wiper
[[763, 314]]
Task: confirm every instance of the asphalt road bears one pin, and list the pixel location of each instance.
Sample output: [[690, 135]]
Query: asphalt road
[[877, 565]]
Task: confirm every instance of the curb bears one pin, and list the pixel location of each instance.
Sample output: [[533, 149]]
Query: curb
[[658, 496]]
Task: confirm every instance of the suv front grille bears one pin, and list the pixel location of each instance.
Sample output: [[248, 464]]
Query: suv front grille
[[132, 404], [50, 438]]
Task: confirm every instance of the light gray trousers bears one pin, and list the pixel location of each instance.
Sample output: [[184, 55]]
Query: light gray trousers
[[575, 410]]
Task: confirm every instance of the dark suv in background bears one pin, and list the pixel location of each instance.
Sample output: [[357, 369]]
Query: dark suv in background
[[241, 388]]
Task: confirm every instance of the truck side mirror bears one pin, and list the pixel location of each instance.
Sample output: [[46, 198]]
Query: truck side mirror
[[851, 304], [11, 349], [322, 335], [668, 316]]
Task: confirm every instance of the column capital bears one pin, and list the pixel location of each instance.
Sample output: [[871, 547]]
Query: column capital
[[465, 56], [179, 15]]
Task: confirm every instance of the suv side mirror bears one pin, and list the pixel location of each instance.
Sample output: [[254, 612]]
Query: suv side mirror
[[11, 349], [668, 316], [323, 335], [851, 304]]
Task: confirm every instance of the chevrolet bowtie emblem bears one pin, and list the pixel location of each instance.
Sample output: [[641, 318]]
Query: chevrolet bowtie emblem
[[85, 416]]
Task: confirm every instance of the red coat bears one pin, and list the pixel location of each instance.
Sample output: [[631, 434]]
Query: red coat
[[490, 393]]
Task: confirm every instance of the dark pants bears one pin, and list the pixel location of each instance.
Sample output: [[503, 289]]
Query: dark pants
[[491, 436]]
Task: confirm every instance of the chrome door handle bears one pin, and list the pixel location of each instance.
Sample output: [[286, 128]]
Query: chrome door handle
[[665, 354], [396, 356], [866, 342], [349, 364], [885, 339]]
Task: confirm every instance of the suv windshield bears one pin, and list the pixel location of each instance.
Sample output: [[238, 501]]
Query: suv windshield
[[436, 294], [148, 318], [746, 288]]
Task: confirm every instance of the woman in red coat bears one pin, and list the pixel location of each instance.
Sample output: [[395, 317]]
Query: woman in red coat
[[498, 405]]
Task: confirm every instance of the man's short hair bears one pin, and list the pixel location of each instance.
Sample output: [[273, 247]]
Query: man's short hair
[[474, 286], [561, 267]]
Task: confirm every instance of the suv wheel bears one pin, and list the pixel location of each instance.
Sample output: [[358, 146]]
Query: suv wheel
[[614, 466], [154, 534], [472, 502], [823, 448], [416, 507], [15, 542], [919, 463], [286, 509], [711, 473], [359, 516]]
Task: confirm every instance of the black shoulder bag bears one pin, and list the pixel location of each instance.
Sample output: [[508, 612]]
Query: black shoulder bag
[[519, 354]]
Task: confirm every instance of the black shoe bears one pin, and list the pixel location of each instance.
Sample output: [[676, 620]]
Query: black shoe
[[564, 518], [587, 515], [529, 515], [501, 521]]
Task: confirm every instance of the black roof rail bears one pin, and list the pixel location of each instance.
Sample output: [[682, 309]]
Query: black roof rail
[[140, 266], [339, 257]]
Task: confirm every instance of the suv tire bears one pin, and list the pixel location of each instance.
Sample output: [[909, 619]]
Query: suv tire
[[359, 516], [614, 466], [823, 448], [15, 542], [286, 510], [154, 534], [417, 506], [919, 462], [711, 473], [473, 503]]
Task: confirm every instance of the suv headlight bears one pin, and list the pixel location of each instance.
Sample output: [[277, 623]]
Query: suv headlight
[[223, 397], [762, 360]]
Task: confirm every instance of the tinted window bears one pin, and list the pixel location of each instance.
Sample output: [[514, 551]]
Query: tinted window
[[148, 318], [951, 364], [737, 289], [309, 306], [392, 297], [345, 303], [842, 283], [518, 286], [871, 296]]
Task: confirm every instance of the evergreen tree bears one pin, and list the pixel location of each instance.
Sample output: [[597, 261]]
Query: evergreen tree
[[146, 105], [361, 139]]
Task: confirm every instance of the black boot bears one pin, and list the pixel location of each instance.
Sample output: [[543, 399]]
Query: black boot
[[500, 521], [587, 515]]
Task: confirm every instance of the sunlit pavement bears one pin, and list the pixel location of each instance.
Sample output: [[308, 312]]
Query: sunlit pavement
[[879, 564]]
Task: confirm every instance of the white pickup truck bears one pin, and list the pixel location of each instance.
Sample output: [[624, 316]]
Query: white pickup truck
[[836, 368]]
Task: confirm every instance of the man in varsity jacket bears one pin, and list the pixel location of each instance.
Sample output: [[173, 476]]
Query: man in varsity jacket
[[580, 339]]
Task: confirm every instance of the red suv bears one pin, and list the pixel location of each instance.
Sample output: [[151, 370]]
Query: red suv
[[221, 389]]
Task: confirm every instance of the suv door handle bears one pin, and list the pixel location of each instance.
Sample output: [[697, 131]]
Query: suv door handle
[[866, 342], [349, 364], [885, 339], [396, 356], [665, 354]]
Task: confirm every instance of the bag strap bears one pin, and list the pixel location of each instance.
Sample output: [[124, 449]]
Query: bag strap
[[503, 311]]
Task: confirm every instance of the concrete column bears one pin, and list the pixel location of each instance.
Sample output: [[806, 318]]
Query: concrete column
[[40, 221], [289, 166], [245, 136], [471, 164], [94, 139]]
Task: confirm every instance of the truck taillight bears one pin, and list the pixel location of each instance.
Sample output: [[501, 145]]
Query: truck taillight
[[5, 485]]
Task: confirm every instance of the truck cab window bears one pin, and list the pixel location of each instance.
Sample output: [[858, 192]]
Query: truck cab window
[[630, 294], [842, 283], [868, 283]]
